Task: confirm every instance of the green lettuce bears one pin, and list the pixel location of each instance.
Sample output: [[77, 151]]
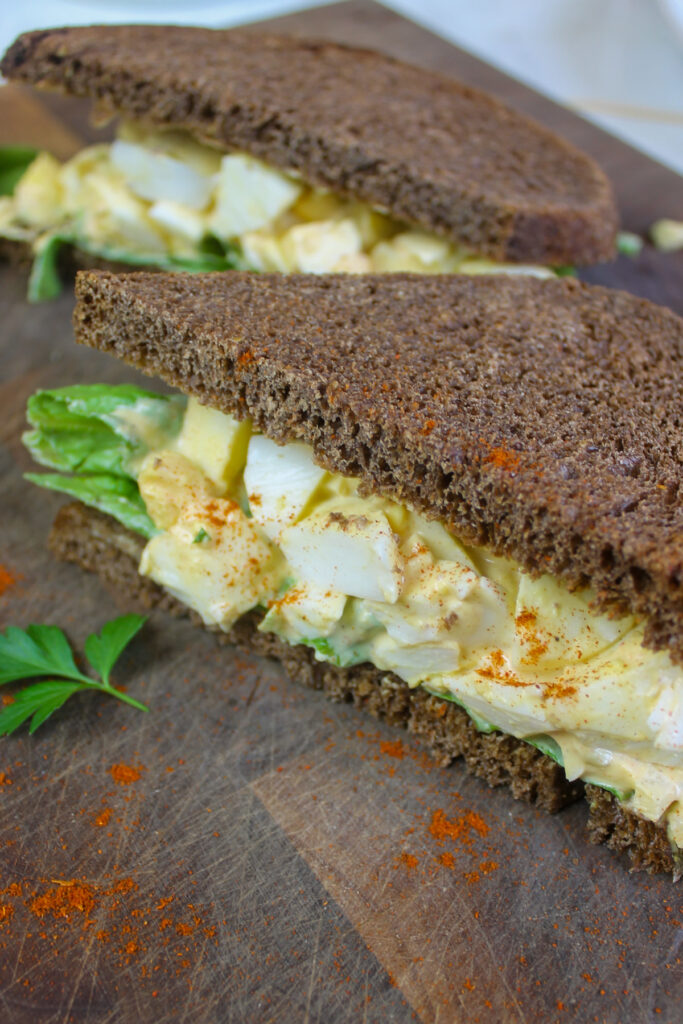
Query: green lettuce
[[118, 496], [96, 428], [548, 746], [45, 280], [99, 433], [211, 255], [621, 794]]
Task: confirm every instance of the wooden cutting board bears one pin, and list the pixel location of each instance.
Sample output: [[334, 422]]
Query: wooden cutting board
[[248, 851]]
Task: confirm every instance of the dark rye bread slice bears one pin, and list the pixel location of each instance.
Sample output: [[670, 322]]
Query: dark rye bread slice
[[99, 544], [541, 418], [430, 150]]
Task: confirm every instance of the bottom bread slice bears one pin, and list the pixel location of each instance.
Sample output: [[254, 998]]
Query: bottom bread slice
[[100, 544]]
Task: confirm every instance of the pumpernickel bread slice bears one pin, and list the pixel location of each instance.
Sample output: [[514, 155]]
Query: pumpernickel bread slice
[[431, 150], [540, 418], [99, 544]]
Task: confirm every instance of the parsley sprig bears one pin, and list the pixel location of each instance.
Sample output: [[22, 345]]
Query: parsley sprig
[[41, 651]]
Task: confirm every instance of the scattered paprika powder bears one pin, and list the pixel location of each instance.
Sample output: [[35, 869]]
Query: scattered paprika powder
[[7, 579], [125, 774]]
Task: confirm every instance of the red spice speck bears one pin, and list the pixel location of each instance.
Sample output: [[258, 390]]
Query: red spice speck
[[503, 458], [64, 899], [124, 885], [7, 579], [461, 827], [409, 861], [103, 817], [125, 774], [393, 748]]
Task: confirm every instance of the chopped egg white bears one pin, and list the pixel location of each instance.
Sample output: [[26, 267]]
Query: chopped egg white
[[317, 248], [249, 195], [277, 499], [178, 221], [308, 612], [337, 547], [158, 176]]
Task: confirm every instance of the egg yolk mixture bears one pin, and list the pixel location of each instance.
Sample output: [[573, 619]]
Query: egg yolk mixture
[[242, 522], [162, 198]]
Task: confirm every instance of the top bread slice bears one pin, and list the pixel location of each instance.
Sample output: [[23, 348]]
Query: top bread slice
[[430, 150], [540, 418]]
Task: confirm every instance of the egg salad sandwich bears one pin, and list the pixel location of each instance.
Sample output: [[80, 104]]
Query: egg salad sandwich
[[454, 501], [239, 149]]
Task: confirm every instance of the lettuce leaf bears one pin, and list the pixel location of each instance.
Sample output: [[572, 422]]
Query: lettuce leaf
[[548, 746], [117, 496], [45, 280], [99, 432], [95, 428], [212, 255], [14, 161]]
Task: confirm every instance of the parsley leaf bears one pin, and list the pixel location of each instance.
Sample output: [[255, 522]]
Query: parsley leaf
[[38, 701], [103, 649], [37, 651], [41, 650]]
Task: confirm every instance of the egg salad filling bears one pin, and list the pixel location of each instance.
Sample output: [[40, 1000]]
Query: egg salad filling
[[159, 197], [234, 522]]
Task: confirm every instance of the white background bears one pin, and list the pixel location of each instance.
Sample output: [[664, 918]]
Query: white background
[[620, 62]]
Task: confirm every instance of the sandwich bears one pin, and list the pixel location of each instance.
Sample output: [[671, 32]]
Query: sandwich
[[454, 501], [239, 149]]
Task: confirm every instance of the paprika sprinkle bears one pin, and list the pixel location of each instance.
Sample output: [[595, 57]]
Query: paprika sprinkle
[[125, 774]]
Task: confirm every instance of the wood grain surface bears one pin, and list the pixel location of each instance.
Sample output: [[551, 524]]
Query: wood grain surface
[[275, 857]]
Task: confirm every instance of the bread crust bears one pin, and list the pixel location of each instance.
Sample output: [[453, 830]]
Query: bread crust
[[430, 150], [99, 544], [539, 418]]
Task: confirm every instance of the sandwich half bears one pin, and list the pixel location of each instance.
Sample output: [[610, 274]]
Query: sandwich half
[[455, 501], [247, 150]]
